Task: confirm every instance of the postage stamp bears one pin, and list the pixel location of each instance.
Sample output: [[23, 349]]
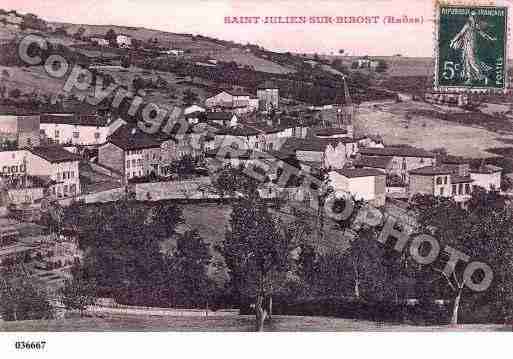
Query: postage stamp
[[471, 48]]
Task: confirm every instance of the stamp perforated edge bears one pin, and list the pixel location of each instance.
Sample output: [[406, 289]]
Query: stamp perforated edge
[[462, 89]]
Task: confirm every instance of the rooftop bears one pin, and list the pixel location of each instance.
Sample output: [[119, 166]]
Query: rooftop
[[73, 119], [359, 172], [219, 116], [373, 161], [396, 151], [330, 131], [54, 154], [461, 179], [238, 131], [432, 170], [487, 169], [132, 138]]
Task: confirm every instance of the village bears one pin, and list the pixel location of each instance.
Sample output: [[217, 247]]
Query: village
[[260, 128]]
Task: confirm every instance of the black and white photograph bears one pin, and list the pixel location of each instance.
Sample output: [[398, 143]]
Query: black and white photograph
[[247, 166]]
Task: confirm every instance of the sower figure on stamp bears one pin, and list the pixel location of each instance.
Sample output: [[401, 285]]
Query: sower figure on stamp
[[473, 69]]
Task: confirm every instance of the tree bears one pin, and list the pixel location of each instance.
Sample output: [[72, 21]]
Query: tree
[[126, 62], [256, 252], [111, 37], [79, 34], [79, 292], [189, 97], [382, 66], [122, 241], [15, 93], [483, 233], [188, 270], [21, 298]]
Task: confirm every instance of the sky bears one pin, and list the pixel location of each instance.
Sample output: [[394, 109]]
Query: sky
[[207, 17]]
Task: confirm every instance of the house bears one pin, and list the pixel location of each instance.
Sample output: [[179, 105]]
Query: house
[[99, 40], [268, 96], [440, 180], [331, 132], [236, 101], [487, 177], [193, 109], [22, 190], [58, 165], [222, 118], [241, 137], [75, 129], [174, 52], [19, 129], [124, 40], [325, 152], [131, 152], [13, 163], [362, 183], [404, 158]]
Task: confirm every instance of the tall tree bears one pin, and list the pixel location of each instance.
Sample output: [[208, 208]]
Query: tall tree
[[256, 252], [21, 298], [189, 271]]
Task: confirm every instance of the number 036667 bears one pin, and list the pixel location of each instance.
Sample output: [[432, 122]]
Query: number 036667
[[30, 345]]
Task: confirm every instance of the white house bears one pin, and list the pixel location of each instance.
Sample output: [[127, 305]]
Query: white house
[[59, 165], [192, 109], [124, 40], [233, 100], [74, 129], [363, 183], [222, 118], [101, 41], [13, 163], [487, 177]]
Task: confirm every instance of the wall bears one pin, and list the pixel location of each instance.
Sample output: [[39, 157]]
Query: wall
[[75, 134], [66, 174], [112, 157], [486, 180], [420, 184], [411, 164], [11, 162], [222, 97], [310, 156]]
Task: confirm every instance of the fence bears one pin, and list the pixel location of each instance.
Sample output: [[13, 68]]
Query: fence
[[153, 311]]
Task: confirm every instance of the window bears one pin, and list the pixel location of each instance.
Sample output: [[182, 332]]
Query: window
[[76, 134], [127, 164], [133, 163], [72, 174], [139, 162], [439, 180], [65, 188], [56, 133], [441, 191], [404, 163], [97, 135], [445, 179], [460, 188], [454, 189], [73, 188], [421, 160], [58, 176], [467, 188]]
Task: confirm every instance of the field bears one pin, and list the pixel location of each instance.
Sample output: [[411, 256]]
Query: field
[[390, 122], [230, 324], [244, 58]]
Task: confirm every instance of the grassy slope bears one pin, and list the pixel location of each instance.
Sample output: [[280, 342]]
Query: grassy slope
[[226, 324]]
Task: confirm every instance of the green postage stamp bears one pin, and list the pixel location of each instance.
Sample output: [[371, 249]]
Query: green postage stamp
[[471, 48]]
